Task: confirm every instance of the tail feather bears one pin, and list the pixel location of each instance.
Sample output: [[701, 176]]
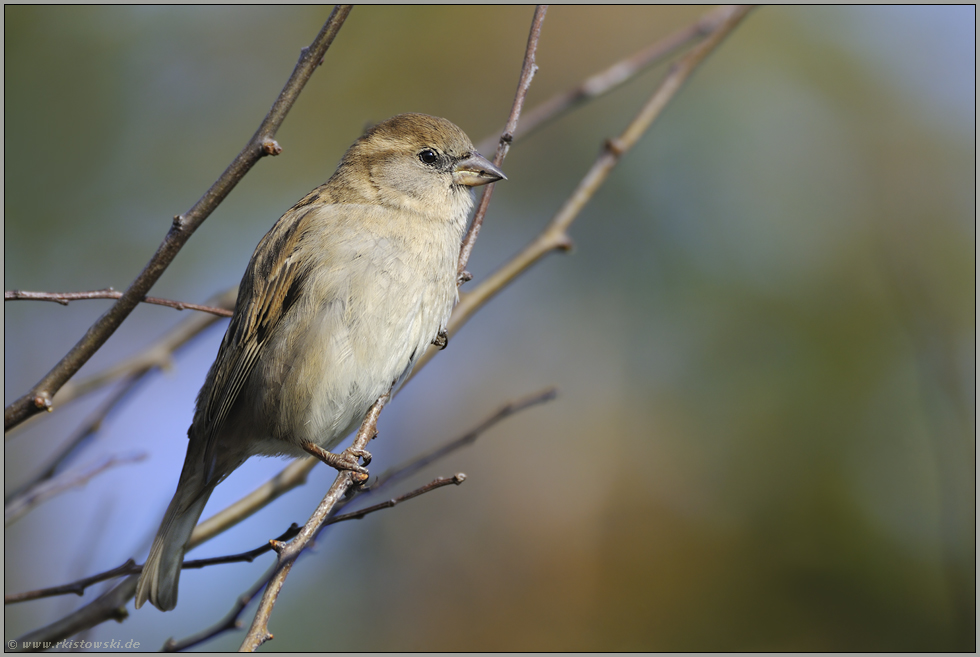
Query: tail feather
[[161, 573]]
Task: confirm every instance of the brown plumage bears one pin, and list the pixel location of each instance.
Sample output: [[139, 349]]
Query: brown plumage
[[340, 299]]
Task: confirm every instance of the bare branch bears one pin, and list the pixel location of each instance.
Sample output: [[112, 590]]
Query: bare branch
[[77, 587], [23, 503], [262, 143], [555, 236], [157, 355], [259, 633], [229, 622], [111, 605], [72, 447], [132, 568], [528, 69], [438, 482], [418, 463], [65, 297], [614, 76]]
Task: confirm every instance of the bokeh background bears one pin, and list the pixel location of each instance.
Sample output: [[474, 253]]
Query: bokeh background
[[764, 339]]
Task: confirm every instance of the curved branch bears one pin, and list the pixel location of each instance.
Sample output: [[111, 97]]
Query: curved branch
[[262, 143]]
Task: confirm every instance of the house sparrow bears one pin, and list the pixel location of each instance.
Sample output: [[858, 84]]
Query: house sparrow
[[338, 302]]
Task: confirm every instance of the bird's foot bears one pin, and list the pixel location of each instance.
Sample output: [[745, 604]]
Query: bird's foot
[[346, 460], [441, 340]]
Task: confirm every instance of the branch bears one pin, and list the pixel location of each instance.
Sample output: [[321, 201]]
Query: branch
[[259, 633], [72, 447], [46, 490], [64, 297], [111, 605], [292, 476], [554, 237], [614, 76], [229, 622], [262, 143], [411, 467], [528, 69], [77, 587], [157, 355], [296, 472], [130, 567]]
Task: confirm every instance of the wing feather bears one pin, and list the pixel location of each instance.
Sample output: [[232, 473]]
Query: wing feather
[[268, 290]]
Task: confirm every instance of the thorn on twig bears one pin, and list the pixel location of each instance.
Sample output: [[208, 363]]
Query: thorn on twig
[[271, 147]]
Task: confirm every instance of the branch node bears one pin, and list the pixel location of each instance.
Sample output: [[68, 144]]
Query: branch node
[[42, 400], [278, 546], [565, 243], [178, 223], [506, 138], [459, 478], [615, 146], [271, 147]]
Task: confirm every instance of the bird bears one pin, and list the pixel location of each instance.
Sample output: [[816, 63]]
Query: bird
[[339, 300]]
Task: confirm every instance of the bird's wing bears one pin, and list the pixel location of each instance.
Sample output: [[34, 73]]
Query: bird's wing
[[268, 289]]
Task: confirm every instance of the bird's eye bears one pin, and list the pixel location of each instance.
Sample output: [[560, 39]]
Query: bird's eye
[[428, 156]]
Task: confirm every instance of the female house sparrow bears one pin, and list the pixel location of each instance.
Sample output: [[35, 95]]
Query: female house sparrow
[[338, 302]]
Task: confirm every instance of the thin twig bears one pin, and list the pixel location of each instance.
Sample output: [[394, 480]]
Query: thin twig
[[108, 293], [528, 69], [77, 587], [48, 489], [259, 633], [418, 463], [40, 397], [132, 568], [614, 76], [555, 237], [229, 622], [438, 482]]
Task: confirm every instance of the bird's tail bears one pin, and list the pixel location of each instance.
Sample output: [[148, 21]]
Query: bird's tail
[[161, 573]]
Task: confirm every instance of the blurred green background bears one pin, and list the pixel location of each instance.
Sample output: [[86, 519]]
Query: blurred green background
[[764, 340]]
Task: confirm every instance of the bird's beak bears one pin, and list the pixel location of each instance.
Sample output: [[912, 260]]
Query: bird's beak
[[476, 170]]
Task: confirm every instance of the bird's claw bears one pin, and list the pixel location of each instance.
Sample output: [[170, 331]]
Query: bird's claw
[[346, 460]]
